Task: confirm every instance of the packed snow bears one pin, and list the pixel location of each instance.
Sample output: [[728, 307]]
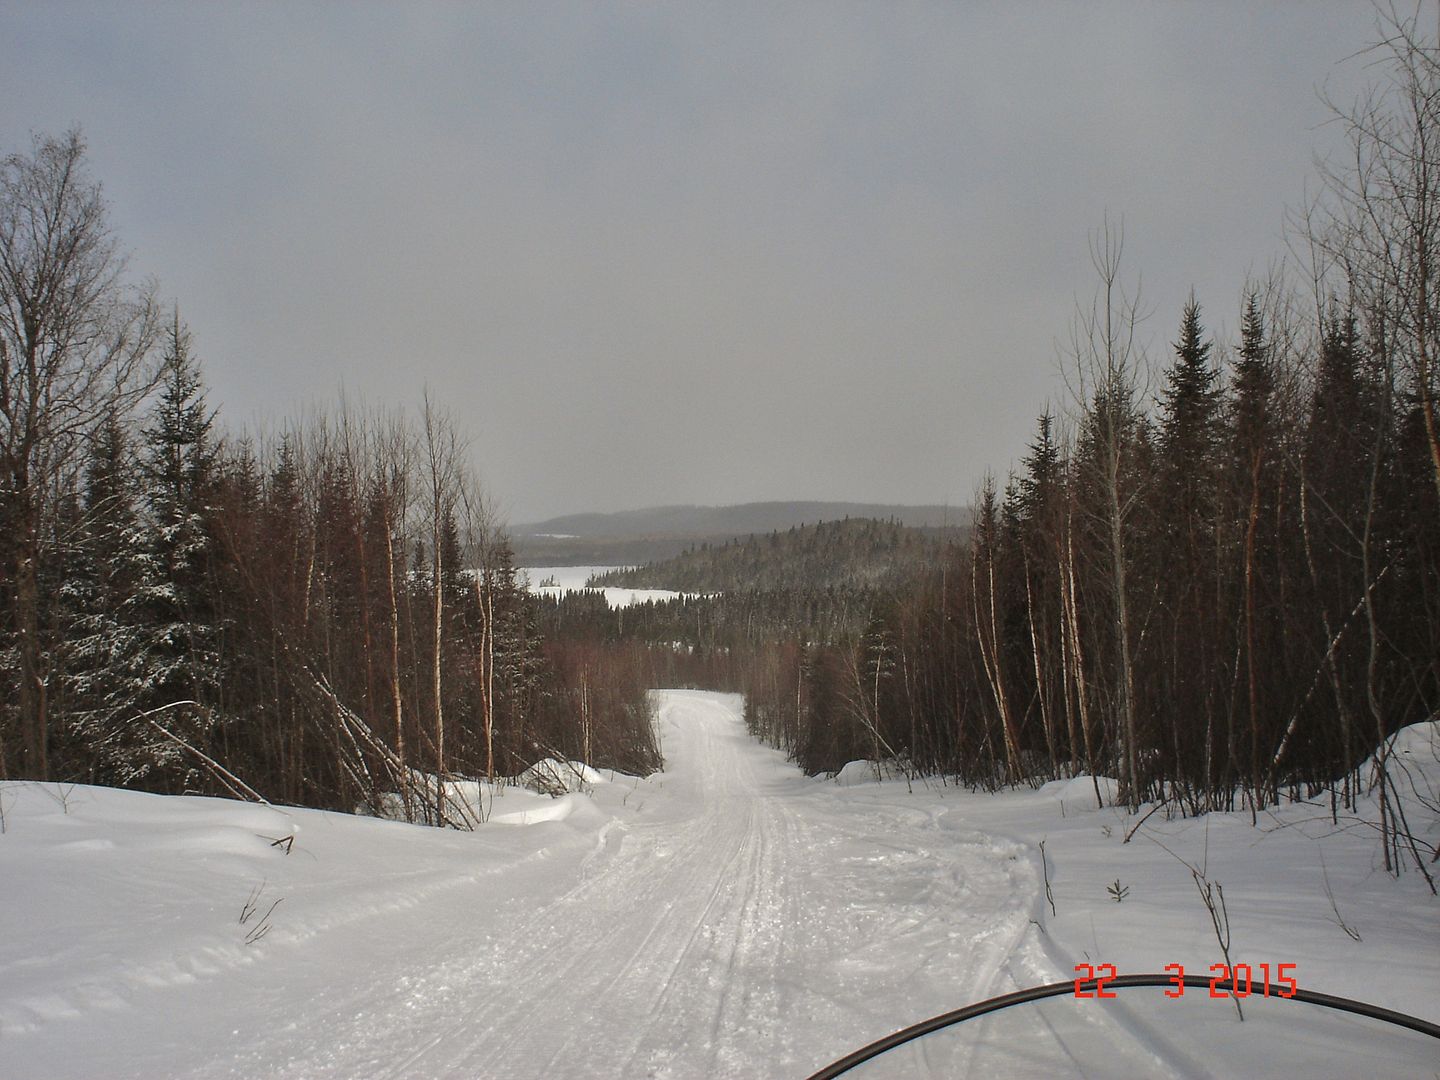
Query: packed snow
[[559, 580], [726, 917]]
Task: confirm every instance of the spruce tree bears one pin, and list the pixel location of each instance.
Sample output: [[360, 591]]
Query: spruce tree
[[1041, 489], [109, 597], [1041, 479], [1189, 423], [1182, 538], [1253, 389], [519, 667], [1255, 469], [179, 473]]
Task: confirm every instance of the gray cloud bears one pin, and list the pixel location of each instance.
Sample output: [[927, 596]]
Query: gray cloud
[[674, 253]]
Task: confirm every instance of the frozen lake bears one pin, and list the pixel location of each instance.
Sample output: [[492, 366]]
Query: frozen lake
[[558, 580]]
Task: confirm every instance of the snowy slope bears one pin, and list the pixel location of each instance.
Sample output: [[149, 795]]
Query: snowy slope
[[728, 917]]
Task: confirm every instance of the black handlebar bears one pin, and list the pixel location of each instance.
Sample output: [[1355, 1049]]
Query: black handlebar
[[1118, 982]]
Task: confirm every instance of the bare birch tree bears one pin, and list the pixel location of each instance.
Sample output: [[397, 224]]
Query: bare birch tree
[[1108, 363], [1382, 220], [74, 346], [441, 451]]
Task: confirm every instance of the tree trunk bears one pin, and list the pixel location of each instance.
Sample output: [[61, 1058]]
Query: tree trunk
[[397, 709], [1252, 675], [1046, 719], [438, 626], [1121, 607], [34, 722]]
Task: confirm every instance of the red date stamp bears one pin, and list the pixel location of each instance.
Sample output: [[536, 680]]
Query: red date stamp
[[1226, 980]]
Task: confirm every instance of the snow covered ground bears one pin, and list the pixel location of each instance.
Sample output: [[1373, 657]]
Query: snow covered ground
[[727, 917], [573, 578]]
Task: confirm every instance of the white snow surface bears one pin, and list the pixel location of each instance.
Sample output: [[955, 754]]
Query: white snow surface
[[728, 917], [572, 579]]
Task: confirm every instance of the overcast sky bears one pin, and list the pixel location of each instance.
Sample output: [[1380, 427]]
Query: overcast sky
[[667, 253]]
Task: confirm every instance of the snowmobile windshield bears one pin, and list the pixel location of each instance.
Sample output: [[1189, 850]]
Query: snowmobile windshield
[[1157, 1026]]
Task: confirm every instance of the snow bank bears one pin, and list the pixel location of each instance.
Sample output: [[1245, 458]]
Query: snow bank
[[868, 772], [1301, 889], [534, 811], [1419, 744], [144, 935], [550, 776], [530, 798], [789, 921], [1077, 795]]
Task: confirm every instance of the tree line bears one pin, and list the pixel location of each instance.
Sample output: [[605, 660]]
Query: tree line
[[852, 553], [1215, 577], [329, 618]]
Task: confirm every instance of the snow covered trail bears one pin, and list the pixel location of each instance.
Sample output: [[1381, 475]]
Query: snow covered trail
[[727, 928], [740, 923], [728, 917]]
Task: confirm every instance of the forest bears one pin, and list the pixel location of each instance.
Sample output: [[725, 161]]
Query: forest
[[327, 618], [849, 553], [1215, 575]]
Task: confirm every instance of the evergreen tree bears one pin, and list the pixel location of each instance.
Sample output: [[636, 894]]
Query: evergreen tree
[[1339, 447], [1253, 391], [109, 596], [179, 473], [1189, 424], [285, 527], [1041, 490], [1340, 437], [452, 559], [1253, 529], [515, 662], [1041, 479], [1182, 538]]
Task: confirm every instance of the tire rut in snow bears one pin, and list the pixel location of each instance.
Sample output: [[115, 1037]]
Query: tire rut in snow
[[749, 922]]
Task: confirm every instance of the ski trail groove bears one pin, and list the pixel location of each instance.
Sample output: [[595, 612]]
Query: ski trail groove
[[733, 929]]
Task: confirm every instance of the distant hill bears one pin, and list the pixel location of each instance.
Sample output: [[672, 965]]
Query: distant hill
[[634, 537], [853, 553]]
